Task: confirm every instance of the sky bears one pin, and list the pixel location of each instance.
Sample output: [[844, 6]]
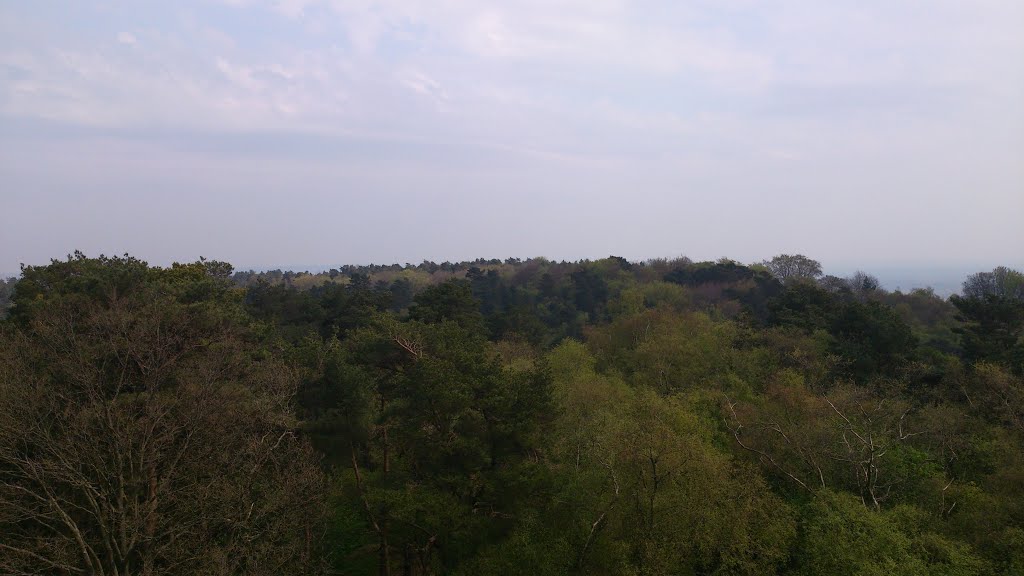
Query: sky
[[865, 134]]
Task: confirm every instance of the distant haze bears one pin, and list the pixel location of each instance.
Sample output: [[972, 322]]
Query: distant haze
[[881, 136]]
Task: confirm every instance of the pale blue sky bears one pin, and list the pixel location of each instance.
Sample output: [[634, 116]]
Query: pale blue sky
[[862, 133]]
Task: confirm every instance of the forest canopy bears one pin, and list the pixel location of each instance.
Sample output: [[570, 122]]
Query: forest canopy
[[508, 416]]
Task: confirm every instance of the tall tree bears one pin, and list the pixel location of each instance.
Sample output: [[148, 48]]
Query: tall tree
[[143, 430], [992, 314], [6, 293], [1002, 282], [789, 268]]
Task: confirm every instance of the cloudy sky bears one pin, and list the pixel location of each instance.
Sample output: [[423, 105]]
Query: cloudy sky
[[304, 132]]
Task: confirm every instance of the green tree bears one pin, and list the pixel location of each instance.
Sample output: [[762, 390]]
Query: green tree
[[452, 300], [440, 470], [1001, 282], [642, 489], [991, 311], [843, 537]]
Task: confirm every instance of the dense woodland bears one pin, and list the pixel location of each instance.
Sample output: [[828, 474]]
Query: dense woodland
[[508, 417]]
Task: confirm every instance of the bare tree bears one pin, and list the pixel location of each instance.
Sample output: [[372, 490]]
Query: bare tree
[[141, 435], [849, 438], [788, 268]]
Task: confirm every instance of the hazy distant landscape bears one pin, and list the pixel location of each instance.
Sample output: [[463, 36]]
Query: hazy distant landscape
[[944, 280], [490, 288]]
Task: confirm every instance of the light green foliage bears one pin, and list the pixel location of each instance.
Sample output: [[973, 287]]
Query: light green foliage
[[667, 351], [647, 484], [639, 297], [843, 537]]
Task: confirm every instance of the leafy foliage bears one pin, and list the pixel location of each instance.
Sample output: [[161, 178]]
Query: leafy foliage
[[499, 417]]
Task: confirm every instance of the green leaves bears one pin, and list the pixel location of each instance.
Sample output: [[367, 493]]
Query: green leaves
[[645, 490], [464, 434], [843, 537]]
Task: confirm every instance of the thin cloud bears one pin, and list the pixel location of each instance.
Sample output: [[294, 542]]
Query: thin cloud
[[814, 115]]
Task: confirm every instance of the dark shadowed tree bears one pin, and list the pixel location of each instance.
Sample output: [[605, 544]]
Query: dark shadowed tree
[[991, 311], [144, 431], [452, 300], [590, 291]]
